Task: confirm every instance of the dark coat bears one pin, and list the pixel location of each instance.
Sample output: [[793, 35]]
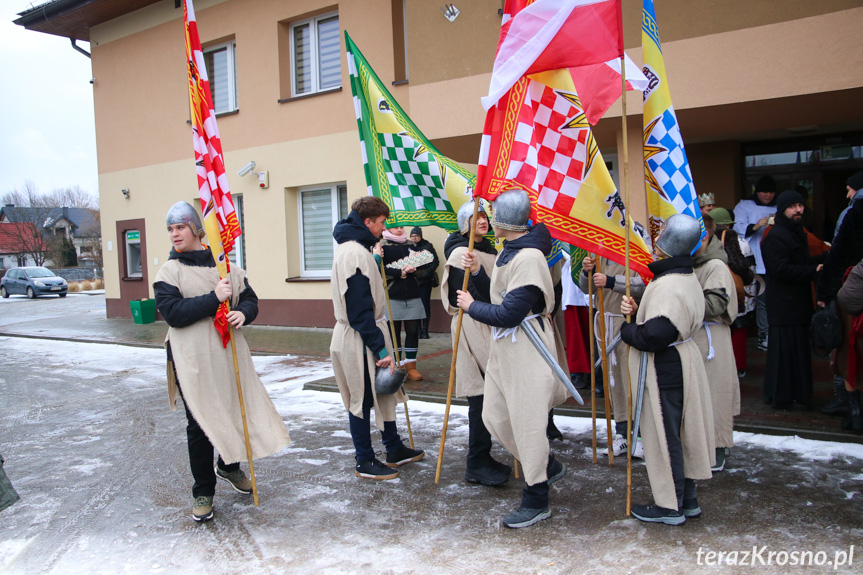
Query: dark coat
[[400, 288], [790, 272], [846, 251], [424, 273]]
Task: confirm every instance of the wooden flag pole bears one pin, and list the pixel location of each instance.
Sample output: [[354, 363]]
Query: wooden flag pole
[[395, 347], [628, 272], [243, 411], [606, 375], [472, 225], [592, 357]]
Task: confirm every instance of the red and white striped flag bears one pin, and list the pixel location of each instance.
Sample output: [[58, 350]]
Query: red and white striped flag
[[217, 207]]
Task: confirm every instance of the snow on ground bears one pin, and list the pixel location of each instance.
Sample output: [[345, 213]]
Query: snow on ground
[[101, 467]]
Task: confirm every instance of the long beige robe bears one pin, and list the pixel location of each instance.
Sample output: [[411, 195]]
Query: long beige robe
[[558, 321], [520, 387], [206, 372], [679, 298], [721, 369], [475, 338], [618, 363], [347, 347]]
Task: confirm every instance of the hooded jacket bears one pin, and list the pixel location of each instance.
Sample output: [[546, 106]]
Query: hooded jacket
[[520, 302], [358, 297], [715, 300], [846, 251], [456, 275]]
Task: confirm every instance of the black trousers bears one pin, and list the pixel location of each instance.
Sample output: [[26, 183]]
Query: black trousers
[[425, 296], [201, 454], [671, 403], [361, 428]]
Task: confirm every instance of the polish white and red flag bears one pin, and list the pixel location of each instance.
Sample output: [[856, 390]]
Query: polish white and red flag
[[581, 35], [217, 207]]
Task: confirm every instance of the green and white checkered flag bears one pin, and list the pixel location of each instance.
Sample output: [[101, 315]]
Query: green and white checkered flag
[[421, 186]]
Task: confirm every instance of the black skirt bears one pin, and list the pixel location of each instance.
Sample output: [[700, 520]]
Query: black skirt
[[788, 373]]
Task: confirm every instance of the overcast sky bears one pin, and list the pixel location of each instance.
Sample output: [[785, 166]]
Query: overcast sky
[[47, 132]]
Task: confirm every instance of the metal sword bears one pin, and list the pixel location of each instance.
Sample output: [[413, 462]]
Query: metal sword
[[639, 400], [549, 359]]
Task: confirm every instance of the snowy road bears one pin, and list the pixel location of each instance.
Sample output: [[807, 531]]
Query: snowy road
[[101, 467]]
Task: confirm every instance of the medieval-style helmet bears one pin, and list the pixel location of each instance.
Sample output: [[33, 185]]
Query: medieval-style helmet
[[183, 213], [464, 214], [511, 210], [680, 235]]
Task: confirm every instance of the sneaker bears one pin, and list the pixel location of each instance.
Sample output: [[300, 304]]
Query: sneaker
[[690, 508], [554, 470], [524, 517], [656, 514], [404, 455], [485, 474], [237, 479], [618, 445], [639, 449], [203, 508], [741, 373], [720, 460], [580, 380], [762, 344], [374, 469]]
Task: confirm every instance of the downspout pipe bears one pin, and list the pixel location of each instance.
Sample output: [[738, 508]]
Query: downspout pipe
[[78, 48]]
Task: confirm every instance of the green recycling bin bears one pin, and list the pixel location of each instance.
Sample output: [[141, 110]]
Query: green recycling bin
[[143, 310]]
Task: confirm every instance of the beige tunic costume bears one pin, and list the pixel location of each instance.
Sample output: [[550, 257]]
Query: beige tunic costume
[[557, 320], [206, 372], [720, 366], [473, 344], [347, 347], [618, 360], [679, 298], [520, 387]]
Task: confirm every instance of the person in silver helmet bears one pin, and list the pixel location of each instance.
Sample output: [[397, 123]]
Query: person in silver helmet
[[520, 388], [188, 294], [670, 313], [474, 341]]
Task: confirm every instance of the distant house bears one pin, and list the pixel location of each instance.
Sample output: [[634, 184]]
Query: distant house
[[17, 243], [79, 225]]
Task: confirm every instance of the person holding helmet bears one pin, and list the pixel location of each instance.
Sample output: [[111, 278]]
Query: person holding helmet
[[188, 293], [677, 417]]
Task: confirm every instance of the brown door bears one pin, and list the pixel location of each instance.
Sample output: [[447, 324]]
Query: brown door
[[132, 260]]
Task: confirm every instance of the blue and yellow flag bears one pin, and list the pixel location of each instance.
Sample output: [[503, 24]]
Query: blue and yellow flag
[[420, 185], [666, 168]]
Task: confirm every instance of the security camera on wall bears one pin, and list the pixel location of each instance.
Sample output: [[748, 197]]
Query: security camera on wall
[[247, 169]]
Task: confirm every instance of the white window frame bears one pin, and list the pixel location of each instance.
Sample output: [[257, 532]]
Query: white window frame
[[237, 257], [230, 46], [315, 57], [334, 216]]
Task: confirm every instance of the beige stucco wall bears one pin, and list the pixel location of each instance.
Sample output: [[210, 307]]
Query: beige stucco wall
[[144, 141]]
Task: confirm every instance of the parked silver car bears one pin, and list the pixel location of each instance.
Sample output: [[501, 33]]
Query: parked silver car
[[32, 282]]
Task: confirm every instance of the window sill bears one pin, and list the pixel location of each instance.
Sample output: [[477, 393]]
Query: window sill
[[300, 279], [400, 82], [312, 95]]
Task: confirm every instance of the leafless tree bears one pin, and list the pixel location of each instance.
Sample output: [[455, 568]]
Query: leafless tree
[[72, 197]]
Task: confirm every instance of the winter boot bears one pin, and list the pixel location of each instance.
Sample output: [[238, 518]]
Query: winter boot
[[551, 430], [656, 514], [413, 374], [237, 479], [424, 329], [853, 419], [839, 404]]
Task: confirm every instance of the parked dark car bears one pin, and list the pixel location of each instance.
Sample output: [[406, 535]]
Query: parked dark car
[[32, 282]]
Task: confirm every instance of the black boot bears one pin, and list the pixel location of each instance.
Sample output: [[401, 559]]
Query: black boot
[[853, 420], [480, 468], [551, 430], [839, 404], [424, 329]]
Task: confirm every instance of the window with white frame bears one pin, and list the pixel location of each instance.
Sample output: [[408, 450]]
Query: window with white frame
[[237, 256], [221, 62], [315, 55], [320, 207]]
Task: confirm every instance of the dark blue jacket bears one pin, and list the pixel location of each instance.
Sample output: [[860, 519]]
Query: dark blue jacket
[[359, 303], [517, 304], [456, 275]]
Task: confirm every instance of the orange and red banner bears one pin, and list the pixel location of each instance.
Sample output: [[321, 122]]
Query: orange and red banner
[[217, 207]]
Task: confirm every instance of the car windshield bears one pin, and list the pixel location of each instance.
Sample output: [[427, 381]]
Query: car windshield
[[40, 273]]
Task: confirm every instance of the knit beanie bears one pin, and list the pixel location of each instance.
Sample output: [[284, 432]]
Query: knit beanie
[[788, 198], [856, 181], [417, 232]]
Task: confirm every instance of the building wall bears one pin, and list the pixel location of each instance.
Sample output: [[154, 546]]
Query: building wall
[[737, 71]]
